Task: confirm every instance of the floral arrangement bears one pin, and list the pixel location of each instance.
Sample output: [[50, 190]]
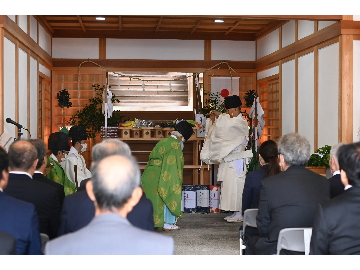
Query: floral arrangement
[[214, 102]]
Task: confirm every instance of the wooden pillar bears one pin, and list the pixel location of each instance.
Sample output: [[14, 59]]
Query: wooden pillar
[[346, 89], [1, 80], [207, 49], [102, 48]]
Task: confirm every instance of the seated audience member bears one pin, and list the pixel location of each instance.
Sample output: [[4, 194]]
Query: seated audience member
[[78, 140], [40, 169], [268, 155], [58, 145], [78, 210], [17, 218], [336, 223], [290, 198], [23, 161], [7, 244], [115, 190], [336, 186]]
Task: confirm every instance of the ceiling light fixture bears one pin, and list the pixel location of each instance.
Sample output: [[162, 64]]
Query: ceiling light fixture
[[100, 18], [219, 21]]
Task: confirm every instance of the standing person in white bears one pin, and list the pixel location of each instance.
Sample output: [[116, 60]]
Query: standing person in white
[[225, 141], [115, 190], [78, 139]]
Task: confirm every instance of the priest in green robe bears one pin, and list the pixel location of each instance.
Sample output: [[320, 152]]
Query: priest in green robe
[[163, 177], [59, 146]]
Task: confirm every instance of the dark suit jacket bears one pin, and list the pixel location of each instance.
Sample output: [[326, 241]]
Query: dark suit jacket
[[78, 210], [19, 219], [83, 184], [60, 188], [42, 196], [336, 186], [336, 225], [251, 192], [288, 200], [7, 244]]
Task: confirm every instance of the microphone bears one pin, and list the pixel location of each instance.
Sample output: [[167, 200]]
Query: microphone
[[8, 120]]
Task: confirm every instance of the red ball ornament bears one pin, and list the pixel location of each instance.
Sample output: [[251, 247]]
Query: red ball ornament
[[224, 93]]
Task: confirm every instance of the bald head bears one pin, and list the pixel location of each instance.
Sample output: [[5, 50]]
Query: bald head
[[22, 156], [114, 179], [110, 147]]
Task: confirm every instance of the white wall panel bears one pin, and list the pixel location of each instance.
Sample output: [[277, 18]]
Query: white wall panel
[[288, 33], [233, 50], [356, 17], [33, 28], [288, 97], [268, 44], [356, 90], [75, 48], [45, 70], [44, 40], [33, 98], [12, 17], [22, 21], [169, 49], [323, 24], [328, 88], [9, 86], [305, 28], [306, 112], [23, 95], [267, 73]]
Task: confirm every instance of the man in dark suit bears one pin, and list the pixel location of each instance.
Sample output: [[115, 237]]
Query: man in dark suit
[[288, 199], [336, 186], [17, 218], [115, 190], [336, 223], [40, 169], [23, 161], [78, 210]]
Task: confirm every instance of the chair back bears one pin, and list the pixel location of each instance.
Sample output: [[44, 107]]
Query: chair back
[[294, 239], [44, 240], [249, 218]]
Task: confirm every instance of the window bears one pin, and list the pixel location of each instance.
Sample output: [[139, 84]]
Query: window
[[152, 91]]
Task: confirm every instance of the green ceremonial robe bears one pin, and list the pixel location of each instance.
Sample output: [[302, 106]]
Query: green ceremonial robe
[[56, 173], [163, 177]]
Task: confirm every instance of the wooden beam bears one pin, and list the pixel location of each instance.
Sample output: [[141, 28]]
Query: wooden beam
[[346, 89], [41, 19], [303, 44], [269, 28], [154, 64], [63, 33], [158, 24], [232, 27], [120, 24], [81, 23], [194, 28], [13, 30]]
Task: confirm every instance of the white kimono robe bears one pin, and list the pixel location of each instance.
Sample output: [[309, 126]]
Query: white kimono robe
[[74, 158], [225, 143]]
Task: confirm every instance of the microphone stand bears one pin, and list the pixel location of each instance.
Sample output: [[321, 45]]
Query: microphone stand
[[19, 134]]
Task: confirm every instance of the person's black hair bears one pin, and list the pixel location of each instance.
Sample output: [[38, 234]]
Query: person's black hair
[[58, 141], [349, 161], [4, 161], [269, 152]]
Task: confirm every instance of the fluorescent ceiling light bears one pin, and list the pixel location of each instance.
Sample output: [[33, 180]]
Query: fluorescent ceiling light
[[219, 21], [100, 18]]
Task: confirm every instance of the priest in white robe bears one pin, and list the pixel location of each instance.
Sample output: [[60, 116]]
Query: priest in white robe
[[78, 139], [225, 142]]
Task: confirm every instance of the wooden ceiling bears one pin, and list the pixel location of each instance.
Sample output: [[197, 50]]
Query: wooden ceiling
[[249, 27]]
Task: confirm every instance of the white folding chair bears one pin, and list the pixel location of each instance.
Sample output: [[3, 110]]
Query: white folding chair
[[44, 239], [248, 220], [294, 239]]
